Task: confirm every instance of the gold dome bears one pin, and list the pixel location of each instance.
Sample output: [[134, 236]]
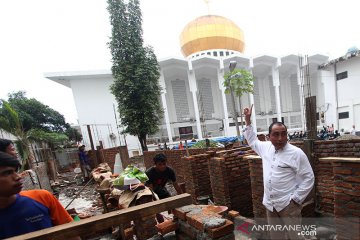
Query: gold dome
[[211, 32]]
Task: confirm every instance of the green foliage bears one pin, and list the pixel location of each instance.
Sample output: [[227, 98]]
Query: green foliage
[[136, 72], [241, 84], [73, 134], [52, 138], [9, 119], [10, 122], [30, 120], [202, 144], [34, 114]]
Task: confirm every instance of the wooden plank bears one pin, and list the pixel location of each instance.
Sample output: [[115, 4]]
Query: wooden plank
[[104, 221]]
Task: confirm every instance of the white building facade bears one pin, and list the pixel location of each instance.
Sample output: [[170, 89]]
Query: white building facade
[[193, 98]]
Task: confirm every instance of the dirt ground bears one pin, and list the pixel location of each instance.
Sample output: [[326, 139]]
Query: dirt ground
[[83, 200]]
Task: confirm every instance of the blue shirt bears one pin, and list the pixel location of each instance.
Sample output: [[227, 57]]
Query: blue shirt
[[28, 215]]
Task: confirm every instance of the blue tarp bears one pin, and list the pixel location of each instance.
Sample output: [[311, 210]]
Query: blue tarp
[[225, 140], [222, 140]]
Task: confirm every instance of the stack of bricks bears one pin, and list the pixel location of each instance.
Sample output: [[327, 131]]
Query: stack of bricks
[[230, 181], [257, 186], [196, 170], [340, 148], [108, 156], [324, 185], [145, 227], [174, 159], [347, 195], [197, 222]]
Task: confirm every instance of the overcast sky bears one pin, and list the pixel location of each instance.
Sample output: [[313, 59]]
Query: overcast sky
[[39, 36]]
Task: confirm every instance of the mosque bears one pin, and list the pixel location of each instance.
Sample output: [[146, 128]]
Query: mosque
[[193, 98]]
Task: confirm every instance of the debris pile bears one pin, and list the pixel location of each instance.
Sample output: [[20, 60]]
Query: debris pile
[[116, 193]]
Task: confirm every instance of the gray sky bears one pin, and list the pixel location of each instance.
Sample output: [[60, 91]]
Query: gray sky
[[39, 36]]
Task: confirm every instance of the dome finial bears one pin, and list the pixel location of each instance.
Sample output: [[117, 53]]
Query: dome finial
[[207, 5]]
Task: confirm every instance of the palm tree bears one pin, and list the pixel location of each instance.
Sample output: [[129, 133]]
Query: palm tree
[[10, 122]]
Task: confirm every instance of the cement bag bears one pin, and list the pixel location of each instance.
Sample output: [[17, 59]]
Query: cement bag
[[130, 176]]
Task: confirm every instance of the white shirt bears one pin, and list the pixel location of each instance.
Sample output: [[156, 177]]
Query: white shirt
[[287, 173], [353, 131]]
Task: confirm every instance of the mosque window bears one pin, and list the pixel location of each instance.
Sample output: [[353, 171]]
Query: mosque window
[[343, 115], [227, 53], [202, 54], [215, 54], [208, 53], [341, 75], [221, 53]]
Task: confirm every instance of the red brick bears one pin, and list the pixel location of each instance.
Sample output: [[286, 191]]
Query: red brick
[[197, 220], [129, 233], [232, 214], [338, 170], [353, 179], [221, 231], [352, 192], [166, 227], [343, 184], [179, 214]]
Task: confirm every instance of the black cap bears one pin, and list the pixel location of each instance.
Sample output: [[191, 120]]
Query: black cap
[[7, 160]]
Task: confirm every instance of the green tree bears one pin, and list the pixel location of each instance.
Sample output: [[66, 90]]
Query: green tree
[[73, 134], [10, 122], [238, 82], [42, 124], [34, 114], [136, 72]]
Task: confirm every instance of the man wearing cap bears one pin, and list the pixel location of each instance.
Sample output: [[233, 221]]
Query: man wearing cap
[[25, 211]]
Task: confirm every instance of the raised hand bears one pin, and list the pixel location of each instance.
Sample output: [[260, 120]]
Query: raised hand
[[247, 113]]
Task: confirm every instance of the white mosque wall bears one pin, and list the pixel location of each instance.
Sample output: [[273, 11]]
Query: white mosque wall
[[96, 107], [95, 103], [342, 95]]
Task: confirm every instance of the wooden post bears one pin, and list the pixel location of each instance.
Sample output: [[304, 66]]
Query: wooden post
[[310, 114], [90, 137]]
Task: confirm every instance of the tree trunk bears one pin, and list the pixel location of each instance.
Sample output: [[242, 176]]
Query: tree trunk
[[142, 140]]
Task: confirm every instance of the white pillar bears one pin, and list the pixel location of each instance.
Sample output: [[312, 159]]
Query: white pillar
[[252, 102], [223, 96], [302, 100], [329, 86], [166, 112], [276, 84], [193, 90]]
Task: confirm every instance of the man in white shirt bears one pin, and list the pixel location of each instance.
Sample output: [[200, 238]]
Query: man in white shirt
[[287, 175], [353, 131]]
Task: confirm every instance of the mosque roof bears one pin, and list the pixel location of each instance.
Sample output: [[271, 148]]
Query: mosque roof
[[211, 32]]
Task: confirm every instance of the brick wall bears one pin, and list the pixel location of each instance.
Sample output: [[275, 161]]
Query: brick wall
[[257, 186], [108, 156], [174, 159], [198, 222], [324, 177], [341, 148], [41, 170], [346, 197], [230, 181], [324, 185], [196, 173]]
